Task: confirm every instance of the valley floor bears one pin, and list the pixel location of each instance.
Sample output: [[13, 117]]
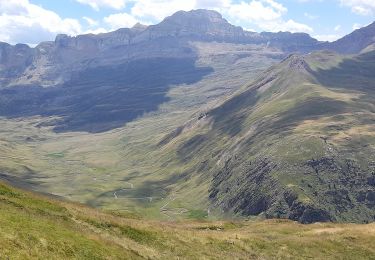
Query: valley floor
[[37, 227]]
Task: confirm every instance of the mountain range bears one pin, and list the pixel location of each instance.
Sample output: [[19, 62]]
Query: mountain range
[[195, 118]]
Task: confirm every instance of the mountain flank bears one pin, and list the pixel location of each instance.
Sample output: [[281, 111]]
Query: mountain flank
[[298, 142]]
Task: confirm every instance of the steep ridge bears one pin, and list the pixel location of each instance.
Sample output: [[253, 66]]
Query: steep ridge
[[355, 41], [297, 143]]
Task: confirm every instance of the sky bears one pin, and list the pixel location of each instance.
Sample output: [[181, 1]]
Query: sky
[[33, 21]]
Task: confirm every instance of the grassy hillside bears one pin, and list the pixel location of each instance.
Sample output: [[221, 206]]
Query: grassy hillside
[[298, 142], [36, 227]]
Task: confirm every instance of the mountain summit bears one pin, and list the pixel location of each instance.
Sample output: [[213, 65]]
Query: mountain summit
[[203, 24]]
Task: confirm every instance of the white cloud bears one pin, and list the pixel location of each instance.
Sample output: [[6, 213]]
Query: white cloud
[[90, 22], [311, 16], [266, 14], [120, 20], [327, 37], [360, 7], [337, 28], [96, 4], [159, 9], [356, 26], [255, 11], [21, 21], [289, 26], [96, 31]]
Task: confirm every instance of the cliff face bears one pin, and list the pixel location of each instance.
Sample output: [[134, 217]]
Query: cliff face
[[199, 25], [53, 63], [14, 60]]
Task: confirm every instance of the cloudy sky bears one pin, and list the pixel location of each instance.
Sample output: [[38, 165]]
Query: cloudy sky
[[33, 21]]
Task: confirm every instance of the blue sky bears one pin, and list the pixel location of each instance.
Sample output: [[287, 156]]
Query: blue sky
[[33, 21]]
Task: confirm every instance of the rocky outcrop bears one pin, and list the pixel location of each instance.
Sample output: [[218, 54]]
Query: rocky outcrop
[[249, 188], [340, 191], [198, 24], [14, 60]]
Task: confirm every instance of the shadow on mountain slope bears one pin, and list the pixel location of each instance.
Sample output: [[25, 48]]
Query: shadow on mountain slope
[[351, 74], [104, 98]]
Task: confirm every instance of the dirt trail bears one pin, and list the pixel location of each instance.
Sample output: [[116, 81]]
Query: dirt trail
[[172, 212], [131, 187]]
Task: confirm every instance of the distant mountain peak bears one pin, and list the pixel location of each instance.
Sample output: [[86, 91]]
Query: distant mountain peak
[[139, 26], [197, 17], [211, 14], [355, 41], [200, 24]]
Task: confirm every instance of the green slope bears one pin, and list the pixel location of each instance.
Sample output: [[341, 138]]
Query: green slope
[[298, 142], [36, 227]]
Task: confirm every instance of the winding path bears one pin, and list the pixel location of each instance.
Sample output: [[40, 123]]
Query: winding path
[[175, 211], [131, 187]]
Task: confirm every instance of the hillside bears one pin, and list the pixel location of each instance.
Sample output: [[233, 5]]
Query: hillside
[[296, 143], [35, 227]]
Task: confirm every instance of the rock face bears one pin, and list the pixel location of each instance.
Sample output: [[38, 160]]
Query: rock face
[[14, 60], [53, 63], [199, 25]]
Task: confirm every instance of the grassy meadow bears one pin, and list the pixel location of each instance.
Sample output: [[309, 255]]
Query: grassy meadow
[[37, 227]]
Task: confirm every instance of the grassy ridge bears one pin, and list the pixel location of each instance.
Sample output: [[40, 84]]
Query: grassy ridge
[[296, 143], [36, 227]]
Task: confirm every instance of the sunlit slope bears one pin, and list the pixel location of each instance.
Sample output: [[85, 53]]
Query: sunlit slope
[[296, 143], [35, 227]]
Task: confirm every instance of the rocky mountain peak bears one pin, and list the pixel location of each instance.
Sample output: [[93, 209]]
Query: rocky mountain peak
[[200, 20], [298, 63], [200, 24], [139, 26]]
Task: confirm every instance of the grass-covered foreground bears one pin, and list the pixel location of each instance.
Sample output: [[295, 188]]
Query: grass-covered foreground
[[36, 227]]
